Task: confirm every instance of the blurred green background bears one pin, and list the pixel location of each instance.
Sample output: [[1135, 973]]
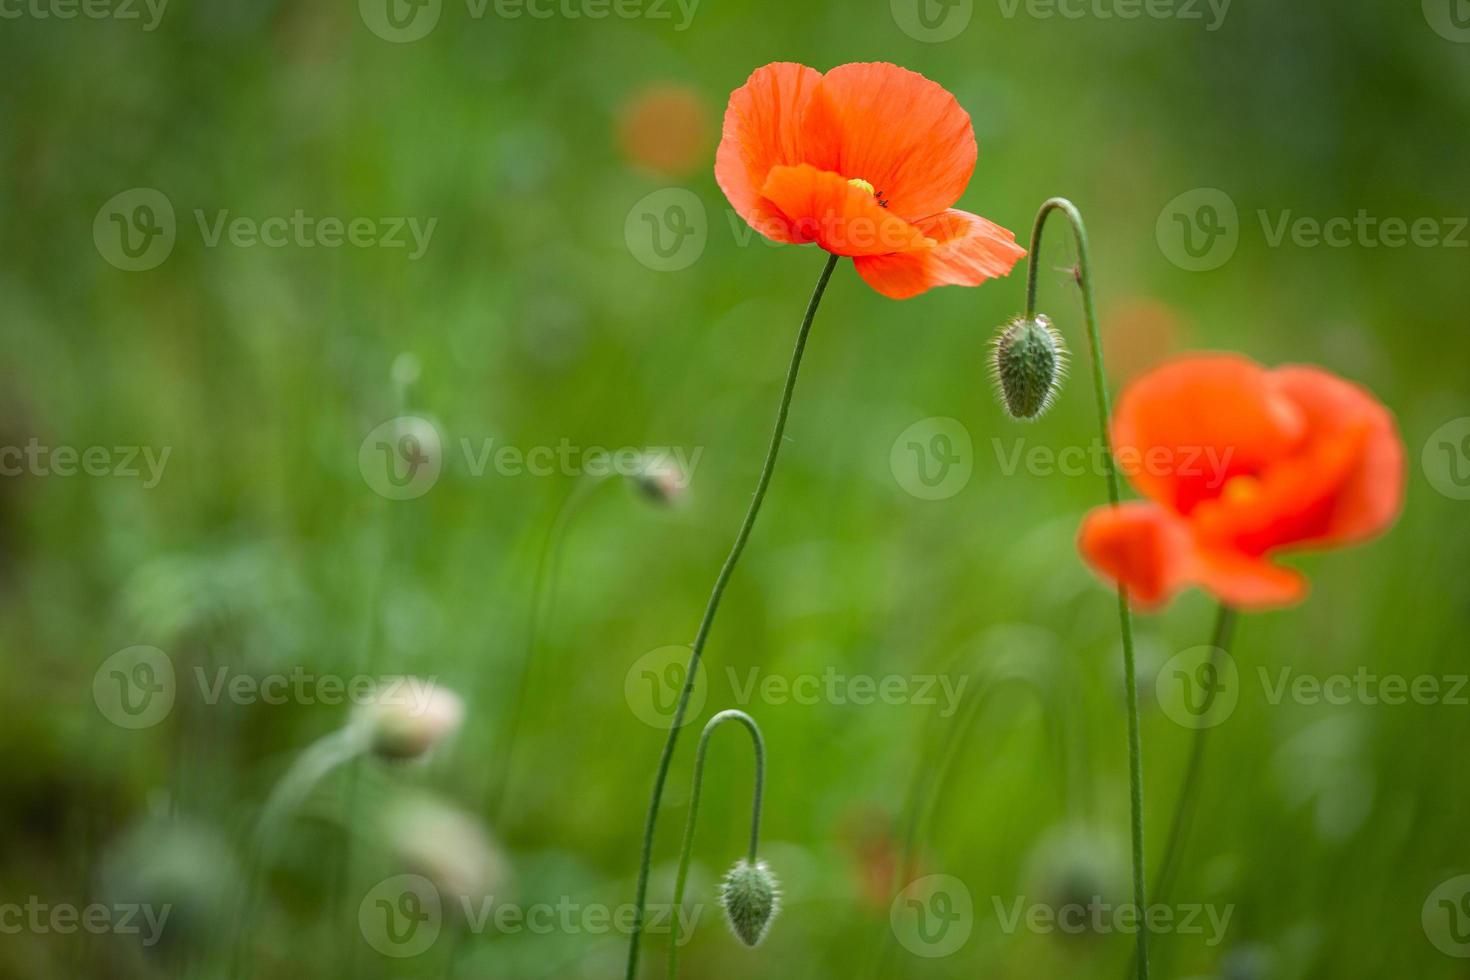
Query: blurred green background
[[536, 316]]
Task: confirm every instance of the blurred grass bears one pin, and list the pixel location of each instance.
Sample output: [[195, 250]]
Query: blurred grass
[[263, 548]]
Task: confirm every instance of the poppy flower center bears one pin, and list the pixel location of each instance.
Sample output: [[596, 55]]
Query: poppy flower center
[[1241, 489], [863, 185]]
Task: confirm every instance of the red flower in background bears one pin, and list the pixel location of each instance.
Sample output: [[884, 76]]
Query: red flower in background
[[866, 162], [1239, 462], [665, 129]]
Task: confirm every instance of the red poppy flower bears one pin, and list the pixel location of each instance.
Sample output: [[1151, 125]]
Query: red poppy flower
[[1239, 462], [865, 161]]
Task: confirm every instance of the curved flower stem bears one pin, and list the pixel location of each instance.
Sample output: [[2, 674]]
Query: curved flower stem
[[314, 764], [1083, 275], [688, 849], [543, 592], [697, 648]]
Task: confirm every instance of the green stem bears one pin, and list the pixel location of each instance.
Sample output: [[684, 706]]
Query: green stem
[[543, 591], [1184, 807], [688, 848], [927, 794], [1083, 275], [314, 764], [697, 648]]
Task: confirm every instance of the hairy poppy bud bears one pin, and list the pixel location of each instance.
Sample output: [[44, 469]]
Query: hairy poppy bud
[[1028, 363], [750, 898]]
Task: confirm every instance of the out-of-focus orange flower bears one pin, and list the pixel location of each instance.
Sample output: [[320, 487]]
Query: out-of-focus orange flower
[[1239, 462], [866, 162], [665, 129], [1141, 332]]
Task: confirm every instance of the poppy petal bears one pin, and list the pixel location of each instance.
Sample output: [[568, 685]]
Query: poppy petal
[[1139, 546], [1186, 428], [812, 205], [968, 251], [1372, 491], [1248, 583], [762, 129], [896, 129]]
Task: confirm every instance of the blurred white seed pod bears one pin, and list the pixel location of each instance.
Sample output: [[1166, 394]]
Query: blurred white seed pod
[[660, 480], [1078, 867], [180, 873], [409, 717], [430, 837]]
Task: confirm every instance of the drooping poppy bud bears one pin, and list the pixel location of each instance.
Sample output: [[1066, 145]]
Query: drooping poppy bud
[[1028, 362], [751, 898]]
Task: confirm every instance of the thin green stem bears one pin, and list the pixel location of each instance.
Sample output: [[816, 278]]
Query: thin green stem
[[1083, 275], [543, 591], [697, 648], [687, 851], [1184, 807], [314, 764], [927, 794]]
